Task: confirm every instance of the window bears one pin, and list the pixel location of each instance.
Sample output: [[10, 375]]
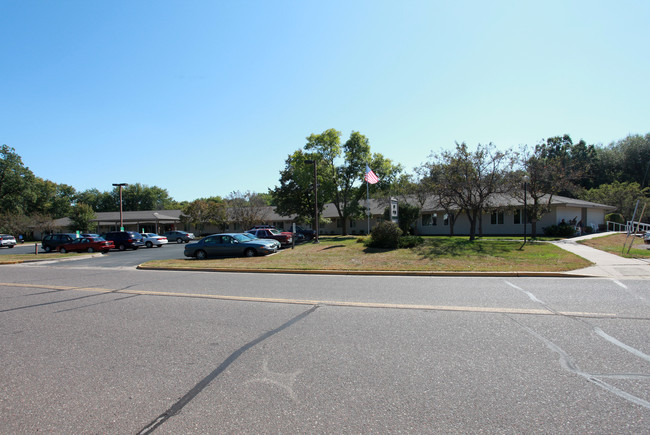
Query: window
[[446, 219], [353, 223], [517, 217], [429, 219], [497, 218]]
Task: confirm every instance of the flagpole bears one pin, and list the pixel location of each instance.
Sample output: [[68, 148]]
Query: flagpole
[[368, 204]]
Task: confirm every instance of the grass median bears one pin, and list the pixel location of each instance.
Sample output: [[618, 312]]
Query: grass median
[[437, 254], [23, 258]]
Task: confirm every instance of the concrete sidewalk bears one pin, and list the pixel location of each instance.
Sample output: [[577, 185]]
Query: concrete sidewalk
[[605, 264]]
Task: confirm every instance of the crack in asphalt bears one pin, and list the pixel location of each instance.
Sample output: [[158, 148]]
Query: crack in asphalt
[[203, 383]]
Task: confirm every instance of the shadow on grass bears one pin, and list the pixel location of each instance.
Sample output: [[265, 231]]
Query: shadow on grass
[[463, 248], [333, 246], [336, 238]]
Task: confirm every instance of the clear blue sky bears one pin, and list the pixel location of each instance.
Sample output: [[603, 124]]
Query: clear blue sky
[[204, 98]]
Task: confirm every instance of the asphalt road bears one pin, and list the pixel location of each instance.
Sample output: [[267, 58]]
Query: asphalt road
[[88, 348]]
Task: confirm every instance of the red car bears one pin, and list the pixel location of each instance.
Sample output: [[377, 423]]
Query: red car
[[285, 238], [87, 244]]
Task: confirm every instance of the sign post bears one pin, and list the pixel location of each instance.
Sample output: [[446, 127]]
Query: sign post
[[394, 210]]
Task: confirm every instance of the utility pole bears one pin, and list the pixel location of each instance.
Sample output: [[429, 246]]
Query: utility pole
[[120, 185]]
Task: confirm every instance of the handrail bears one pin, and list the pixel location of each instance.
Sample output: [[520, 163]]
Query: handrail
[[628, 227]]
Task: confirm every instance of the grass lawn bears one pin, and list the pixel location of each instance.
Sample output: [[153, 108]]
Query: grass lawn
[[21, 258], [614, 244], [448, 254]]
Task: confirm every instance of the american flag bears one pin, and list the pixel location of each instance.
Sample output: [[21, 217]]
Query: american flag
[[370, 176]]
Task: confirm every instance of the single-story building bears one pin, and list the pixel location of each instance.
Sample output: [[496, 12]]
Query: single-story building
[[505, 219]]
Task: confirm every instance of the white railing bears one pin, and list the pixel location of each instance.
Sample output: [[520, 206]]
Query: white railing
[[628, 227]]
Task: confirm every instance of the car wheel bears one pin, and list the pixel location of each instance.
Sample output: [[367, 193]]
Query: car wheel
[[249, 252], [11, 246], [159, 246], [135, 248], [48, 249], [179, 240], [62, 250], [122, 247], [91, 250], [149, 244], [201, 255]]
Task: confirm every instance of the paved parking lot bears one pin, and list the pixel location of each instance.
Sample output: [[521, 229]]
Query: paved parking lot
[[114, 258]]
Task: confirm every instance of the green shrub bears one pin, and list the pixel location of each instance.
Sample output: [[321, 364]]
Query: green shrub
[[560, 231], [385, 236], [615, 217], [406, 242]]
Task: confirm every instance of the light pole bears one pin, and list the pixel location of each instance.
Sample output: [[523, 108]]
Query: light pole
[[525, 179], [313, 162], [120, 185]]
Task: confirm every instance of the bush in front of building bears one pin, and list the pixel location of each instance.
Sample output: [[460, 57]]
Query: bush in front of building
[[615, 217], [560, 231], [406, 242], [386, 235]]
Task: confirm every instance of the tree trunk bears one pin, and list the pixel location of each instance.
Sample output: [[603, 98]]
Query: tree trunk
[[471, 215], [452, 222], [533, 228]]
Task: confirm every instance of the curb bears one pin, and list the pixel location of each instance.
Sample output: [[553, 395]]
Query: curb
[[375, 273]]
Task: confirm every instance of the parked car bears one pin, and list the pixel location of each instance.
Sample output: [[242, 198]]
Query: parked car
[[51, 242], [307, 234], [7, 240], [271, 242], [153, 239], [179, 236], [90, 235], [646, 238], [87, 244], [228, 244], [124, 240], [285, 239]]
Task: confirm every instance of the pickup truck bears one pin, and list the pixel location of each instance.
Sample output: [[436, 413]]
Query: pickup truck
[[284, 238]]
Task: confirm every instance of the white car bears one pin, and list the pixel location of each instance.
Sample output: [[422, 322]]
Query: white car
[[646, 238], [152, 239], [7, 240]]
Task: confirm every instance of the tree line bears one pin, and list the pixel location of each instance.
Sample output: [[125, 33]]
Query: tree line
[[463, 180]]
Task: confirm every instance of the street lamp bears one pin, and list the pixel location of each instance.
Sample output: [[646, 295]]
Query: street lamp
[[313, 162], [120, 185], [525, 179]]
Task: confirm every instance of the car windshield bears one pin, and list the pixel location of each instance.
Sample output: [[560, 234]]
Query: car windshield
[[241, 238], [249, 236], [275, 232]]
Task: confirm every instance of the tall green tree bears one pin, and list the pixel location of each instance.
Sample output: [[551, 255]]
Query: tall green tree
[[137, 196], [99, 201], [623, 196], [16, 182], [52, 199], [295, 193], [202, 212], [81, 218], [341, 168]]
